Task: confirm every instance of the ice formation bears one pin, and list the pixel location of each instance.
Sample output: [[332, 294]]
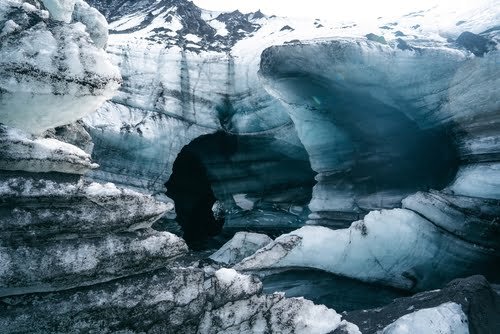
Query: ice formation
[[361, 251], [375, 144], [243, 244], [52, 74], [447, 318], [19, 152]]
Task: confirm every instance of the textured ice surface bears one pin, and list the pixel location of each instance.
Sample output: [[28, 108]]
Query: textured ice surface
[[469, 218], [52, 74], [60, 10], [95, 23], [179, 300], [56, 207], [328, 87], [447, 318], [70, 263], [243, 244], [395, 247], [478, 180], [21, 151]]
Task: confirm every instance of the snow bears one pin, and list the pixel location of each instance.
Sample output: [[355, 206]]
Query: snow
[[243, 244], [191, 45], [219, 26], [127, 22], [95, 23], [9, 27], [29, 7], [192, 38], [97, 189], [231, 279], [447, 318], [60, 10]]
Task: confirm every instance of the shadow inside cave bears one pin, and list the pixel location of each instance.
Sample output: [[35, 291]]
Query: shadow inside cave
[[241, 179]]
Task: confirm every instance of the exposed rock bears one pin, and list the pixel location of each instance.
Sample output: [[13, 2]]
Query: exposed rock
[[476, 44], [375, 38]]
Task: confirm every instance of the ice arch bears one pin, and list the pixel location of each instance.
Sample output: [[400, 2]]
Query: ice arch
[[368, 122], [258, 179]]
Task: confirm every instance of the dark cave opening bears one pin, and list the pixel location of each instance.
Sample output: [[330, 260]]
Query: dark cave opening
[[190, 187], [216, 168]]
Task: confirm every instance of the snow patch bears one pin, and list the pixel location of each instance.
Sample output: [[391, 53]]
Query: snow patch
[[447, 318]]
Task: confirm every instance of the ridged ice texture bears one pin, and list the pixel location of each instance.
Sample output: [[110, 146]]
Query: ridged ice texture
[[394, 247], [22, 152], [56, 207], [405, 117], [180, 300], [59, 233], [52, 73]]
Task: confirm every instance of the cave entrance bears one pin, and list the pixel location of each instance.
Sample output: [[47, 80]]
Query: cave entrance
[[190, 187], [226, 179]]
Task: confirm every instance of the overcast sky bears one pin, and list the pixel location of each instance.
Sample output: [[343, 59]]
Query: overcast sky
[[334, 9]]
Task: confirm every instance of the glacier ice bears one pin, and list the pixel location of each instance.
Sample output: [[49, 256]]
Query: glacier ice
[[447, 318], [56, 68], [60, 10], [478, 180], [382, 116], [421, 92], [395, 247], [329, 86], [243, 244], [18, 151]]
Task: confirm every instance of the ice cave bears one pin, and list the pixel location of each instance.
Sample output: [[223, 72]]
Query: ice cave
[[171, 168]]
